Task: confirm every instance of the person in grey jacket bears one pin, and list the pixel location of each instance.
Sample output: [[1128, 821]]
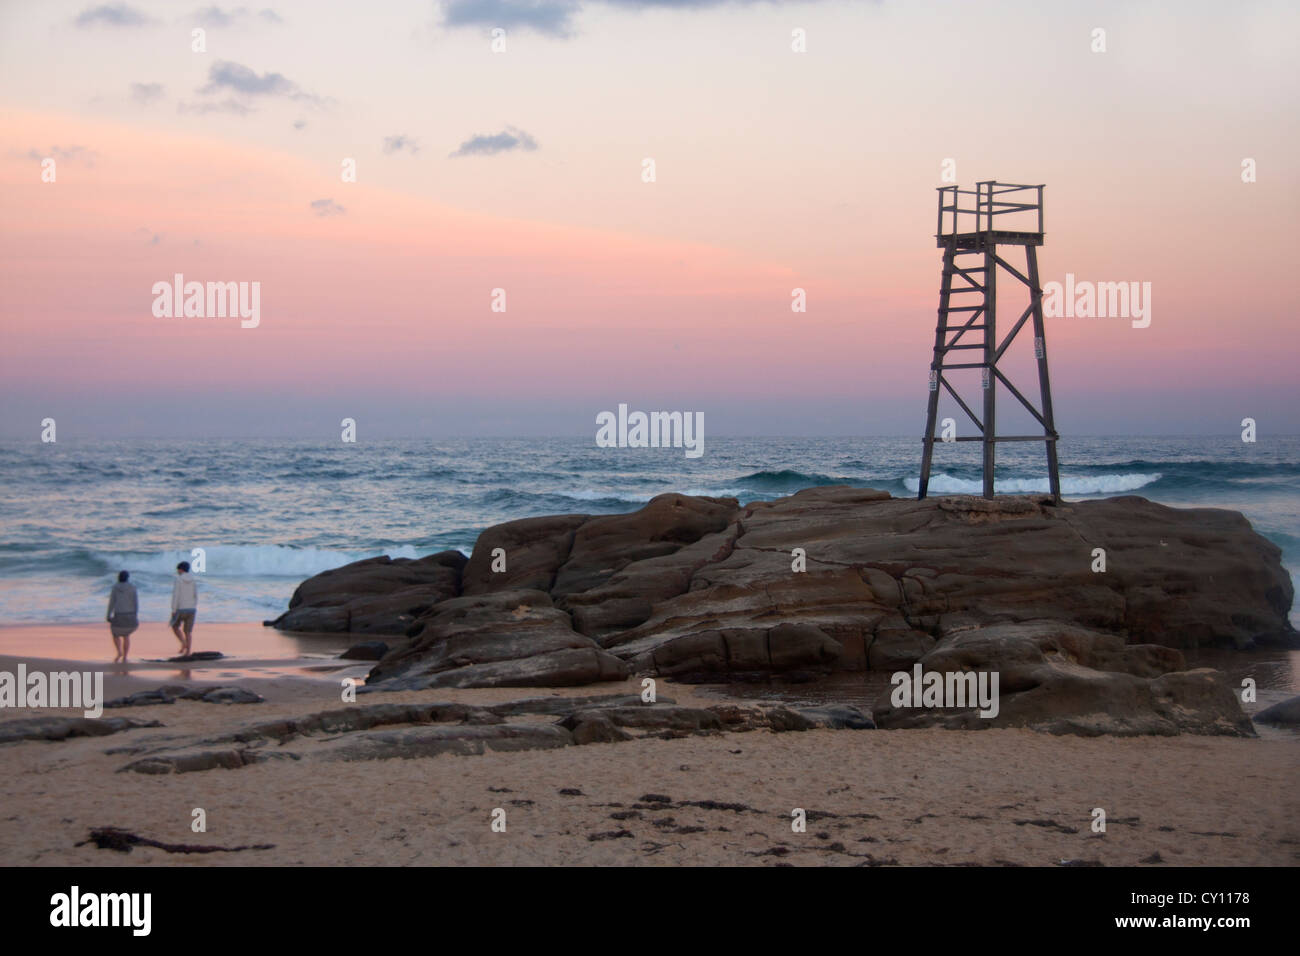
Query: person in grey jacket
[[123, 615]]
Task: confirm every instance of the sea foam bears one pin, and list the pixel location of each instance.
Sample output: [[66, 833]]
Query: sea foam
[[942, 484]]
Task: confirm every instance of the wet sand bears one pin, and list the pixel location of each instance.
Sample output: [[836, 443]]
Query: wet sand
[[255, 655], [928, 797], [91, 643]]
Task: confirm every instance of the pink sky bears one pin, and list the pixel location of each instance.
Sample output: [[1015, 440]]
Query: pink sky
[[775, 170]]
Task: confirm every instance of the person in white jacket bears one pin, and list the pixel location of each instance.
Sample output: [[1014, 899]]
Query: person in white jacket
[[185, 601]]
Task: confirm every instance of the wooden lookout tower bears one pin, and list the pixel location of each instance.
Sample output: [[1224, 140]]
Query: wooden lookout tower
[[973, 225]]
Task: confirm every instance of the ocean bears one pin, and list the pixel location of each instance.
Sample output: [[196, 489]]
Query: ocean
[[269, 513]]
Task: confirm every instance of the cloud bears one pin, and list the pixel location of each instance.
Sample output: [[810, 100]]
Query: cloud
[[111, 15], [216, 17], [327, 207], [555, 17], [228, 105], [683, 4], [228, 75], [246, 84], [395, 144], [65, 154], [545, 16], [299, 124], [146, 92], [488, 144]]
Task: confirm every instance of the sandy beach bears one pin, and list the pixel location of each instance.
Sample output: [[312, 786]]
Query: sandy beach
[[250, 649], [911, 797]]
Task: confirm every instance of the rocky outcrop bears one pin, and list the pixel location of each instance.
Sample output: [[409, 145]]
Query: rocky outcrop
[[533, 550], [62, 728], [511, 638], [1064, 679], [701, 589], [603, 547], [1287, 713], [192, 760], [366, 651], [464, 739], [409, 731], [666, 720], [376, 596], [737, 653], [174, 692], [887, 577]]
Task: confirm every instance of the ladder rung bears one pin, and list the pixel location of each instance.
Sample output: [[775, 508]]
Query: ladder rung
[[961, 328], [945, 348], [969, 288]]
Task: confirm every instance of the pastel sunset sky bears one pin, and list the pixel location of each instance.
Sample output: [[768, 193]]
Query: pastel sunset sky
[[522, 170]]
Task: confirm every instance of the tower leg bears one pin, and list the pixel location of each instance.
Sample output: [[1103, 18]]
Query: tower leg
[[1044, 383], [990, 359], [936, 370], [928, 448]]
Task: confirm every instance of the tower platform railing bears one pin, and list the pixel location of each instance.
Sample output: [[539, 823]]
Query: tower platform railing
[[1009, 213]]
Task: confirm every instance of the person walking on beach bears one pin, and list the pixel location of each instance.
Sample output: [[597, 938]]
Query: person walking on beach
[[185, 601], [123, 615]]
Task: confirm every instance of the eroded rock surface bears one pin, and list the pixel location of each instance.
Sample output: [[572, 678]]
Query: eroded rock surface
[[62, 728], [511, 638], [376, 596], [702, 589], [410, 731], [1065, 679], [174, 692]]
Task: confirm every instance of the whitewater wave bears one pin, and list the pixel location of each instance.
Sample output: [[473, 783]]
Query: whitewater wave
[[759, 484], [744, 493], [944, 484], [256, 560], [632, 499]]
